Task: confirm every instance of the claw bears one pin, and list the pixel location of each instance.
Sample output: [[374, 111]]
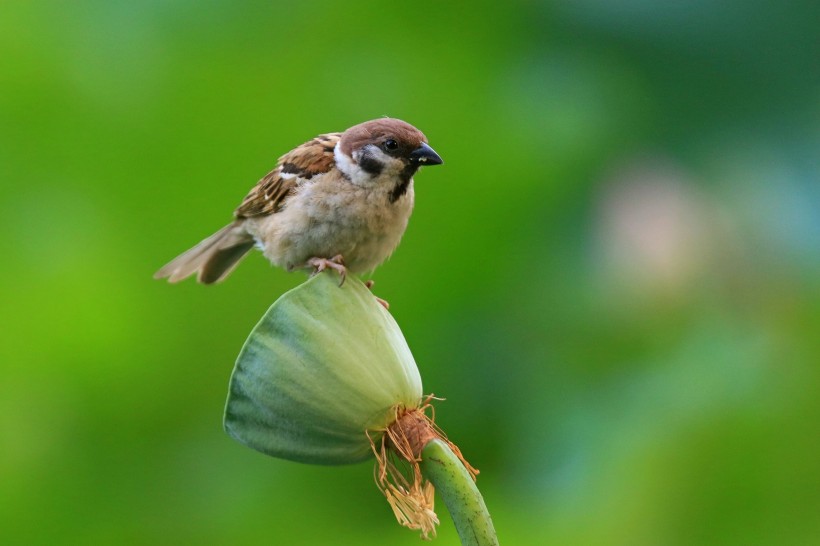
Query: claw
[[335, 263], [369, 284]]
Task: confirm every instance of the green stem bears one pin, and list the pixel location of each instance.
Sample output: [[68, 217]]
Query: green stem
[[441, 466]]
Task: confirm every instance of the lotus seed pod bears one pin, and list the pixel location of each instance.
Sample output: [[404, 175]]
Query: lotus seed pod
[[325, 365]]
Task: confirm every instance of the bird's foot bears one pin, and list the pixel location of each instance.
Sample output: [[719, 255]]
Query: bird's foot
[[335, 263], [369, 284]]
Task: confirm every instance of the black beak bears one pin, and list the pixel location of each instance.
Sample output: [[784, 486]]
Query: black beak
[[425, 155]]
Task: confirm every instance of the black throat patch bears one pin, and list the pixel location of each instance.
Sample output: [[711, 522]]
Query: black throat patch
[[405, 177]]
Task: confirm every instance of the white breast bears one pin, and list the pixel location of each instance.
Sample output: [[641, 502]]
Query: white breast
[[332, 215]]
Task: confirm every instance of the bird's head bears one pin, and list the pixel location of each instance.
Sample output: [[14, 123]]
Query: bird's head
[[383, 147]]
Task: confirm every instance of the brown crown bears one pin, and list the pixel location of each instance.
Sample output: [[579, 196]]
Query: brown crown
[[377, 131]]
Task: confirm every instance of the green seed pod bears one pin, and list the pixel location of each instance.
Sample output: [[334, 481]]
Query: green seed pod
[[323, 366]]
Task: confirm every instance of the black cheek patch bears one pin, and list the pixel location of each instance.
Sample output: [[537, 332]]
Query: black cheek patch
[[370, 165]]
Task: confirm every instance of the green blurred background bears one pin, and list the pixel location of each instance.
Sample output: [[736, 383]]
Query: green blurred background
[[614, 279]]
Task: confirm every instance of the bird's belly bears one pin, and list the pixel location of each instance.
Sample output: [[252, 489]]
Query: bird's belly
[[363, 233]]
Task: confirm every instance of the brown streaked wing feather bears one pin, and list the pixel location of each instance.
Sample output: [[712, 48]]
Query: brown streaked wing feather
[[267, 196], [304, 162]]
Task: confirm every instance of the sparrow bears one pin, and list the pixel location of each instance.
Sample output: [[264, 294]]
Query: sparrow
[[340, 201]]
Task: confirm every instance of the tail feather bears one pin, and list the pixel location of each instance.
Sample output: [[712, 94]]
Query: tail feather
[[212, 259]]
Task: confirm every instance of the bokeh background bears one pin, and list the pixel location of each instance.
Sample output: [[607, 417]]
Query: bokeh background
[[614, 279]]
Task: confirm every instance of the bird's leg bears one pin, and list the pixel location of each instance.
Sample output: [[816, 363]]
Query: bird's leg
[[369, 284], [336, 263]]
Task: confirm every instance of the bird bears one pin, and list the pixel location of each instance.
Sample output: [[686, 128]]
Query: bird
[[339, 201]]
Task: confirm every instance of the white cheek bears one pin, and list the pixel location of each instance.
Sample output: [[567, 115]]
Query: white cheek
[[350, 168], [343, 162], [390, 165], [375, 151], [360, 177]]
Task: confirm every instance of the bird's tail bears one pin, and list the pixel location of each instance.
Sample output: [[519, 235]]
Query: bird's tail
[[212, 259]]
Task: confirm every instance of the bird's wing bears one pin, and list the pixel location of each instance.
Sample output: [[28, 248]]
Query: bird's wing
[[296, 167]]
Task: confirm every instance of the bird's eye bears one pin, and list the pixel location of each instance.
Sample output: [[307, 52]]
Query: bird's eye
[[391, 144]]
